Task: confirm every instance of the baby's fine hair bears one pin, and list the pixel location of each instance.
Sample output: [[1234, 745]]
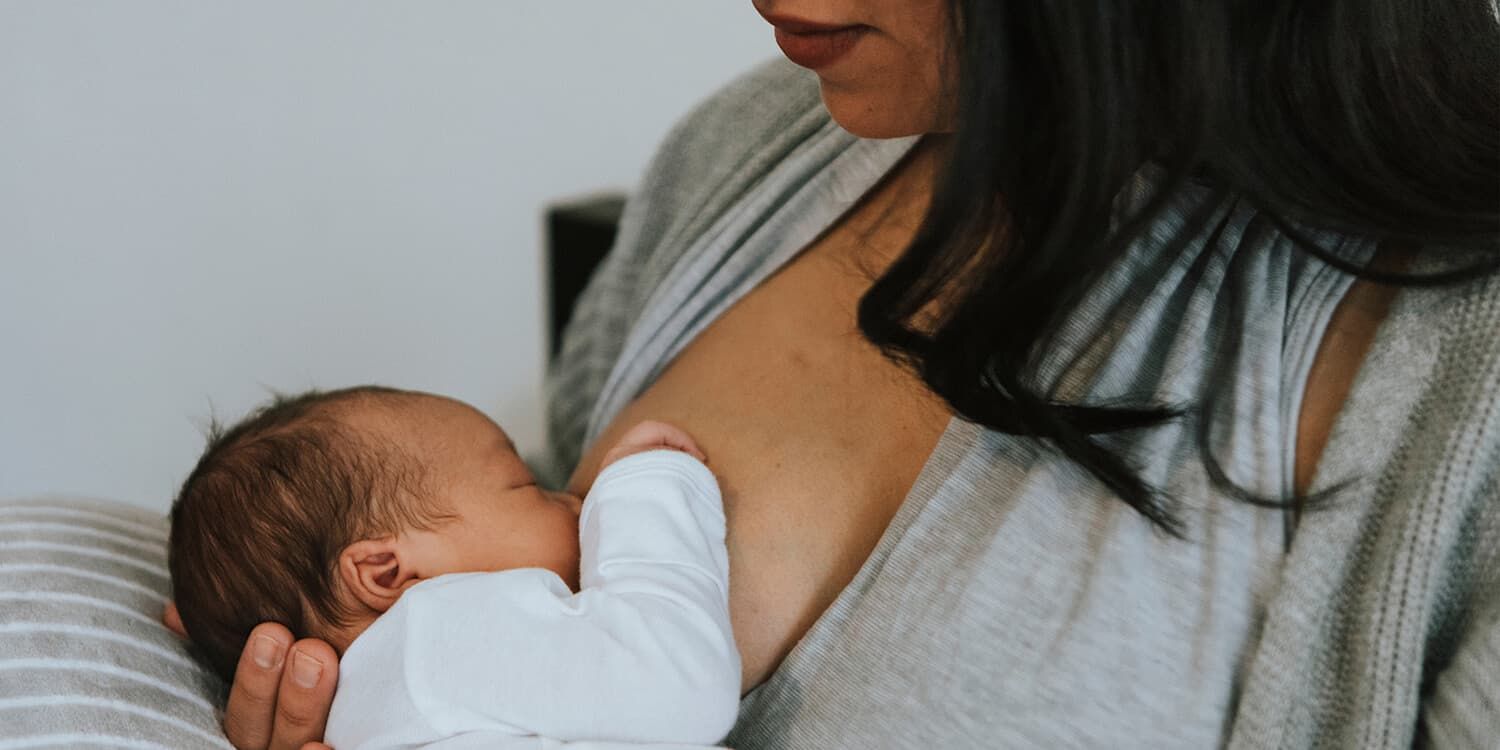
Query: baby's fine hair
[[257, 528]]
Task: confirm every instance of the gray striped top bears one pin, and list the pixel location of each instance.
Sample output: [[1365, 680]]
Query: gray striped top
[[1013, 602]]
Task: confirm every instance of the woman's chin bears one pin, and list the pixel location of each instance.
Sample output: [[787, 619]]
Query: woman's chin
[[872, 117]]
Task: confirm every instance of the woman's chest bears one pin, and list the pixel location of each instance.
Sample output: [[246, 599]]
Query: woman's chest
[[803, 420], [785, 388], [815, 438]]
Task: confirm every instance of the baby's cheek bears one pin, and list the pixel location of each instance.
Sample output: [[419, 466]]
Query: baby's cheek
[[570, 553], [570, 538]]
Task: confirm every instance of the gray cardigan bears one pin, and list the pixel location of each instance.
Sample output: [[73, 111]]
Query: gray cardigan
[[1013, 602]]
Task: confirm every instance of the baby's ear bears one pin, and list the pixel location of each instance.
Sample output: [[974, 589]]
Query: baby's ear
[[376, 571]]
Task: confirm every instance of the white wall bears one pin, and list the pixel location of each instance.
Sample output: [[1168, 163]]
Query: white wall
[[199, 200]]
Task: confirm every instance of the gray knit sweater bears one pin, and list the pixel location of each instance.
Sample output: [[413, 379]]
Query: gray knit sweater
[[1013, 602]]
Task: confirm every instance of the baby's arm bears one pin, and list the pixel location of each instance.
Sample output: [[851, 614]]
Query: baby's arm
[[643, 653], [654, 563]]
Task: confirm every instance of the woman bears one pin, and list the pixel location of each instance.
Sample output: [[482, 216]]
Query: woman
[[1137, 392]]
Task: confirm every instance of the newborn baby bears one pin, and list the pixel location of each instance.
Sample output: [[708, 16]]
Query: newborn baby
[[471, 607]]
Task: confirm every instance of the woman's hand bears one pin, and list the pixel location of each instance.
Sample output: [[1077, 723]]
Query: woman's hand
[[650, 436], [282, 690]]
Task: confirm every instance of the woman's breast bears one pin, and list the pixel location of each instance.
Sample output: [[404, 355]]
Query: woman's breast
[[814, 436]]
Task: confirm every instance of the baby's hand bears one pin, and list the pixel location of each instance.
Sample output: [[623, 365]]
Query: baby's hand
[[650, 436]]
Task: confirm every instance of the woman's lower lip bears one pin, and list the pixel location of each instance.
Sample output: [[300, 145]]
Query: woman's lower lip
[[818, 49]]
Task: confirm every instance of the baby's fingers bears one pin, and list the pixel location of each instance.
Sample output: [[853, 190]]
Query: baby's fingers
[[661, 434], [679, 440]]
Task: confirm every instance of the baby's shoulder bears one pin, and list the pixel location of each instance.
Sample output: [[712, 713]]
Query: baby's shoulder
[[480, 590], [433, 603]]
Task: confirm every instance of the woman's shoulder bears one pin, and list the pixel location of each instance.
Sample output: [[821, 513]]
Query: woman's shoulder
[[771, 94], [717, 153], [710, 159], [1421, 432], [1424, 403], [746, 116], [1386, 587], [1437, 353], [1457, 306], [1447, 341]]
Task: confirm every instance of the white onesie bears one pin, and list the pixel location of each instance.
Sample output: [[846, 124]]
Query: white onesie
[[642, 654]]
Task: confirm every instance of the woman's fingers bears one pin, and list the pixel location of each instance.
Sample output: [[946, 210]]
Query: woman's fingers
[[305, 694], [250, 716], [282, 691]]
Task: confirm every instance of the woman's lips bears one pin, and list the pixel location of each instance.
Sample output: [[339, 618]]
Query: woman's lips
[[814, 45]]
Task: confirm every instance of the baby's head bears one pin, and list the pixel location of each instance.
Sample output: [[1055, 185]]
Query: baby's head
[[317, 511]]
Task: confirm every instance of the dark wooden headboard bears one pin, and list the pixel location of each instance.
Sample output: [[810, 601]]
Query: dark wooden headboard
[[579, 234]]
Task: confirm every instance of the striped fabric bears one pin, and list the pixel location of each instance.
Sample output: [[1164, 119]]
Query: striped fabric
[[84, 660]]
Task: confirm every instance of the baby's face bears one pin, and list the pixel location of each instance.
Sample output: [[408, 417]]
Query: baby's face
[[502, 519]]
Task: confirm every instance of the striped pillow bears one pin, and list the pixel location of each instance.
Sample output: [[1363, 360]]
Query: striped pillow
[[84, 660]]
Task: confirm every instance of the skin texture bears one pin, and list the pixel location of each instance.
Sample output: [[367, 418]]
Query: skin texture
[[816, 438], [822, 436], [891, 83]]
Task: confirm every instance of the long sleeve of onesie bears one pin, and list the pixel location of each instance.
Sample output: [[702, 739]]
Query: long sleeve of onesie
[[643, 653]]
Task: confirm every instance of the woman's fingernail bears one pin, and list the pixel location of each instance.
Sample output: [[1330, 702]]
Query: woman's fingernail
[[267, 652], [306, 670]]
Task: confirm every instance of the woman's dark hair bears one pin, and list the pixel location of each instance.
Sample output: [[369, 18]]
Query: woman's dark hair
[[1377, 119]]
